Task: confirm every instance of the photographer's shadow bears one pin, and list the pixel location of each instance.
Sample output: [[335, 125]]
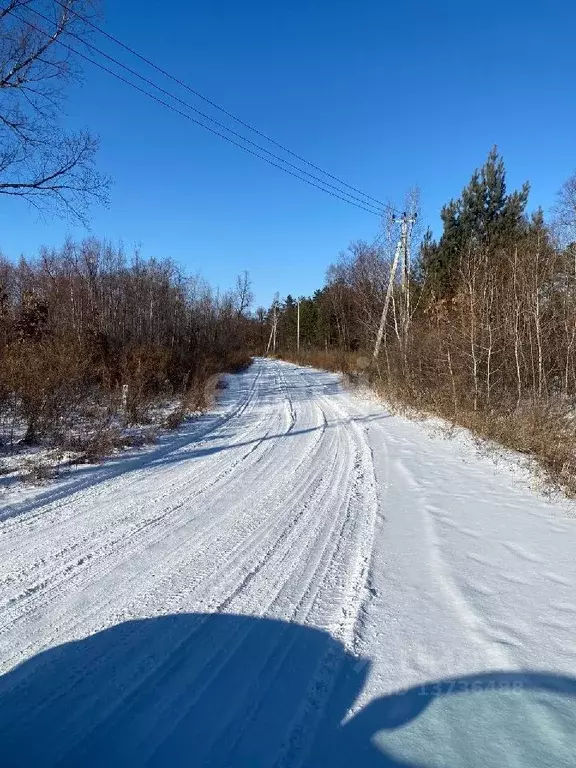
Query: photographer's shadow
[[231, 691]]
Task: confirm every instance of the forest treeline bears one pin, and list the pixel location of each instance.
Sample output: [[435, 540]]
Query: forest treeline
[[481, 330], [89, 335], [482, 333]]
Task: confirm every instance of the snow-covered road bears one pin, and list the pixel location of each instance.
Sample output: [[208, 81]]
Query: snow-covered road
[[296, 579]]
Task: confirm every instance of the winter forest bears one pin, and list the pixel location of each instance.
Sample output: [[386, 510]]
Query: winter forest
[[482, 332]]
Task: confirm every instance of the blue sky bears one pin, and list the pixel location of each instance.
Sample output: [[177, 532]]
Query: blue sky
[[383, 95]]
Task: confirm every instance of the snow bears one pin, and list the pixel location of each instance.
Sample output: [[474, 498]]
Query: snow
[[297, 578], [46, 460]]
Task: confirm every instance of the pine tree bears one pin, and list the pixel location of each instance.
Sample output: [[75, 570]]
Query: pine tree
[[484, 216]]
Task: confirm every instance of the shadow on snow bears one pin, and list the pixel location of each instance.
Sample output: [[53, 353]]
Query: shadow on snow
[[240, 692]]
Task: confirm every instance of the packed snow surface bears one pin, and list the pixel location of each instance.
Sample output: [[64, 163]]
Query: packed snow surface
[[298, 578]]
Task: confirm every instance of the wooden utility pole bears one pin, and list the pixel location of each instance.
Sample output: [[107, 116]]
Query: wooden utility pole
[[272, 339], [402, 251], [269, 341], [405, 224], [382, 325]]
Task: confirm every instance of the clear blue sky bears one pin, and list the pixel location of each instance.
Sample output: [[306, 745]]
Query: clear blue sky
[[384, 95]]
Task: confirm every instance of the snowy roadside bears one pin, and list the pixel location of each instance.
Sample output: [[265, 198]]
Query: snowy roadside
[[522, 468], [45, 470], [45, 460]]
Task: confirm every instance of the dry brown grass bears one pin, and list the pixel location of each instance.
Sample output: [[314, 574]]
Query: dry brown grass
[[238, 362], [340, 362], [174, 419], [94, 448], [36, 470], [545, 432]]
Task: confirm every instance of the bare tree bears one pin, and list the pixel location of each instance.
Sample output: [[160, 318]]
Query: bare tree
[[80, 323], [39, 161], [243, 297], [565, 210]]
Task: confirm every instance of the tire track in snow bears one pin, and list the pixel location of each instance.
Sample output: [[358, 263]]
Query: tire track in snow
[[350, 579], [142, 526], [79, 500], [221, 653], [134, 571], [27, 513], [284, 531]]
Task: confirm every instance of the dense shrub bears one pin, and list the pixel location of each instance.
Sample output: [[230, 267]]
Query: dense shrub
[[87, 334]]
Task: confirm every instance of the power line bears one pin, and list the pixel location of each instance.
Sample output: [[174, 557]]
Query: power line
[[172, 77], [377, 240], [198, 122], [146, 80]]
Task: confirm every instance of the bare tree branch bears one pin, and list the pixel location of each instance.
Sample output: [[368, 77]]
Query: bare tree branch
[[565, 211], [39, 162]]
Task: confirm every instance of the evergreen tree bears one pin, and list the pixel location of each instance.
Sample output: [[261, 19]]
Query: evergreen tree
[[484, 216], [287, 324]]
